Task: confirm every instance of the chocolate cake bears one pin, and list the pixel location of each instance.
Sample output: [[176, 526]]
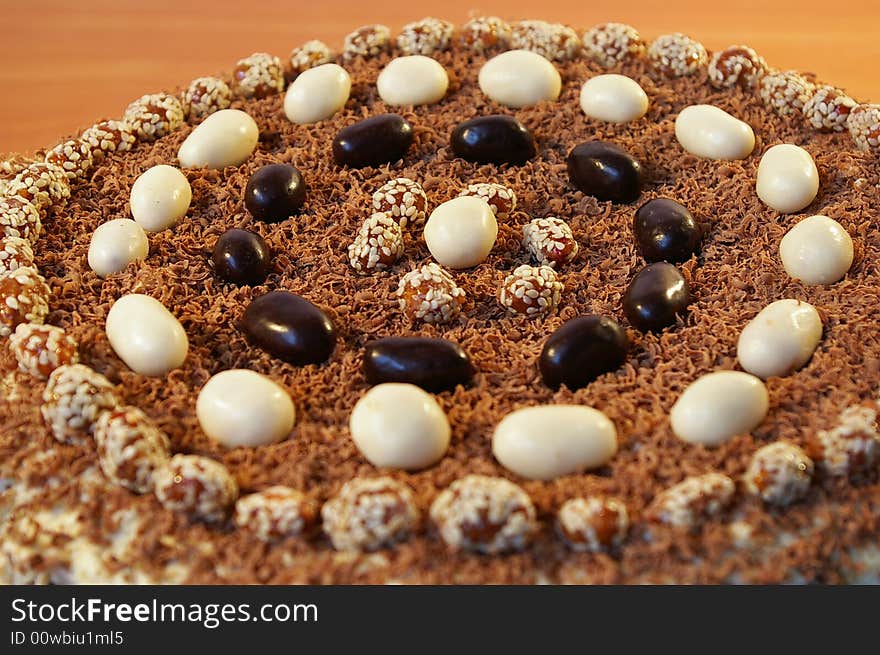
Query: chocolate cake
[[439, 314]]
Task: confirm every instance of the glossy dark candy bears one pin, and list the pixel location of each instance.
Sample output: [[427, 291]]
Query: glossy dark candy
[[289, 327], [275, 192], [494, 139], [241, 257], [581, 350], [665, 231], [657, 293], [373, 141], [605, 171], [432, 364]]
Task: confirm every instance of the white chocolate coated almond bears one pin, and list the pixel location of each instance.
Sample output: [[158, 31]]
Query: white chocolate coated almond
[[461, 232], [710, 132], [225, 138], [519, 78], [546, 442], [317, 93], [241, 408], [115, 244], [613, 98], [399, 426], [412, 80], [780, 339], [818, 250], [145, 335], [159, 198], [719, 406], [787, 179]]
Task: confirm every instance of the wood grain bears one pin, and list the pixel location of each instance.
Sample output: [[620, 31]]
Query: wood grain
[[67, 64]]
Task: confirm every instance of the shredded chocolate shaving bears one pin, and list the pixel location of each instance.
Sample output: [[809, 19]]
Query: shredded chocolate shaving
[[736, 274]]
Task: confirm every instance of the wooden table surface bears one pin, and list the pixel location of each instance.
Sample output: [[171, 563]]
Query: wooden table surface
[[67, 63]]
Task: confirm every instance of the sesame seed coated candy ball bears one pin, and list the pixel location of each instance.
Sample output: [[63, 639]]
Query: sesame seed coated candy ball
[[677, 55], [309, 55], [154, 115], [849, 448], [554, 41], [43, 184], [204, 96], [197, 486], [530, 290], [785, 92], [484, 514], [430, 294], [130, 448], [74, 157], [15, 252], [19, 218], [864, 127], [258, 76], [425, 37], [404, 200], [108, 136], [24, 298], [610, 44], [40, 349], [501, 199], [275, 513], [692, 501], [369, 513], [485, 33], [779, 473], [377, 246], [736, 65], [828, 109], [549, 241], [73, 399], [593, 524], [366, 41]]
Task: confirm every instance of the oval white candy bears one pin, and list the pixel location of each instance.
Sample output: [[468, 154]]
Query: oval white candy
[[460, 233], [787, 179], [115, 244], [707, 131], [159, 198], [225, 138], [780, 339], [243, 408], [518, 78], [719, 406], [399, 426], [145, 335], [542, 443], [613, 98], [317, 93], [818, 250], [412, 80]]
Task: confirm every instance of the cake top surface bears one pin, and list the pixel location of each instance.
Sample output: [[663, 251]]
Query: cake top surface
[[62, 507]]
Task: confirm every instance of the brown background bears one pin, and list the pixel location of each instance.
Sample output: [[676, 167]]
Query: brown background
[[67, 63]]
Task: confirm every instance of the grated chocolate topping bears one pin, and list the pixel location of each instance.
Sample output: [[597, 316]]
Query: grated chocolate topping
[[65, 522]]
